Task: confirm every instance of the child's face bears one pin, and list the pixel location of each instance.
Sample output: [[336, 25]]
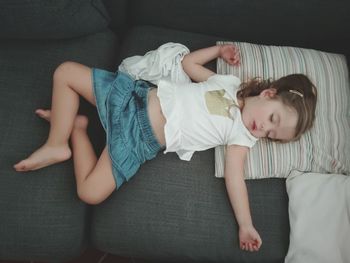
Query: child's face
[[266, 116]]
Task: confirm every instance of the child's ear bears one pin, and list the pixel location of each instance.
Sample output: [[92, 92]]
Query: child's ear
[[269, 93]]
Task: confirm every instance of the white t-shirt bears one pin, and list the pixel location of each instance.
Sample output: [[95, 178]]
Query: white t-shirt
[[202, 115]]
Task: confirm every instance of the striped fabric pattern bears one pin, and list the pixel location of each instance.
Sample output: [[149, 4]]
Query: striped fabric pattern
[[324, 149]]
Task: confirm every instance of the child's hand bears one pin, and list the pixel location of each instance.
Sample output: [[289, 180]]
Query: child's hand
[[249, 239], [230, 54]]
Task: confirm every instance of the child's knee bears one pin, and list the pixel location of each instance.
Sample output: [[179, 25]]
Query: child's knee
[[90, 196], [63, 71]]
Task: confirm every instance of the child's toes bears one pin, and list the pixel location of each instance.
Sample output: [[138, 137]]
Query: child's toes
[[81, 122], [21, 166], [45, 114]]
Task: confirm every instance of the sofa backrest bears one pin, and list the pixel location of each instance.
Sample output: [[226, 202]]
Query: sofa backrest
[[318, 24], [51, 19]]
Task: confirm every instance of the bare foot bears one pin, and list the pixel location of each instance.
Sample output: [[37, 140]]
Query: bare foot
[[80, 122], [46, 155], [45, 114]]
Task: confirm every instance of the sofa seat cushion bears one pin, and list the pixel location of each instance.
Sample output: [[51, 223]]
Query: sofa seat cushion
[[51, 19], [41, 217], [173, 211]]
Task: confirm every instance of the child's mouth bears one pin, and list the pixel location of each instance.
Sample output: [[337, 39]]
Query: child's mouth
[[254, 126]]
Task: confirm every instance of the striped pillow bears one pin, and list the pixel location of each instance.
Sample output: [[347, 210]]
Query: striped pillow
[[326, 148]]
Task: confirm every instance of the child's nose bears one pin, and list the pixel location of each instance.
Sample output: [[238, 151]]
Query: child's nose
[[262, 127], [265, 128]]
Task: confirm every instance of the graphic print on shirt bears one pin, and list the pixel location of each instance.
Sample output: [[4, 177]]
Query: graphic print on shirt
[[218, 104]]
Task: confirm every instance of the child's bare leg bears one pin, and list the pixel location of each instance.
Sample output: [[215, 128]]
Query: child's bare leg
[[69, 81], [94, 183], [80, 122], [94, 178]]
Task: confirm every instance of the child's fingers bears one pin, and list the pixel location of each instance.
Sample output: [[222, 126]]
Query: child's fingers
[[233, 61], [230, 60], [245, 246], [251, 247], [230, 54], [258, 241], [236, 58]]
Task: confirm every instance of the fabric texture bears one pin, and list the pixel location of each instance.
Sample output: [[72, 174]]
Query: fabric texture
[[326, 148], [278, 22], [319, 213], [159, 64], [43, 19], [200, 116], [122, 106], [42, 218]]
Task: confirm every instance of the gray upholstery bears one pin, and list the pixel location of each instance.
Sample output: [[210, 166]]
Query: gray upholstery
[[320, 24], [171, 211], [41, 217], [44, 19]]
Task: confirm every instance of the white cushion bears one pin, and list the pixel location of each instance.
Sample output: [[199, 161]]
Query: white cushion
[[319, 214]]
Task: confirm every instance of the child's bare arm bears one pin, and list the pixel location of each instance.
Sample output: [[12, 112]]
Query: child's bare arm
[[193, 62], [238, 195]]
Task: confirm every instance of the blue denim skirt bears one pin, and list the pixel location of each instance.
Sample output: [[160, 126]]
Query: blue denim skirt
[[122, 107]]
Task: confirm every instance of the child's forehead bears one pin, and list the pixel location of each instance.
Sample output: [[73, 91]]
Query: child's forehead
[[279, 106], [282, 110], [288, 120]]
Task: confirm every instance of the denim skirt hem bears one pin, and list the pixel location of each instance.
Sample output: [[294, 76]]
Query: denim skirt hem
[[121, 103]]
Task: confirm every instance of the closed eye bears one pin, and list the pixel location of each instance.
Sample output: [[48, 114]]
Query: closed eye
[[274, 119]]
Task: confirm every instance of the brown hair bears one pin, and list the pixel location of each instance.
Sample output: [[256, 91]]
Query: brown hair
[[295, 91]]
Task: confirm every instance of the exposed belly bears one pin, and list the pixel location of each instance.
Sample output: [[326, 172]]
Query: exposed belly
[[156, 116]]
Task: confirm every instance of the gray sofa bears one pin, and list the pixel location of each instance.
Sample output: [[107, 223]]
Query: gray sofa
[[172, 211]]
